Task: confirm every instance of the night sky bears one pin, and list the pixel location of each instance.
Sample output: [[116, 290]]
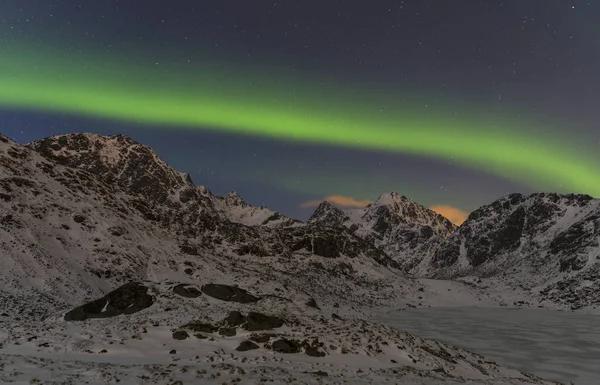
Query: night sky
[[451, 103]]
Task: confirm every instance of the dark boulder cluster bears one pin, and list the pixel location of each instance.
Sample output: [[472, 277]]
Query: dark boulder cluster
[[253, 321]]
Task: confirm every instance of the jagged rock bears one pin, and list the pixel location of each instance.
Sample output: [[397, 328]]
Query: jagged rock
[[228, 293], [127, 299]]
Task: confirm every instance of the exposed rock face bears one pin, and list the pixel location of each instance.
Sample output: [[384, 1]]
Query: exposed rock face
[[127, 299], [529, 240], [117, 160], [105, 210], [401, 228]]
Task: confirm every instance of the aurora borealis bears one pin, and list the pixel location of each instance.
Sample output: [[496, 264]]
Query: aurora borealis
[[264, 106]]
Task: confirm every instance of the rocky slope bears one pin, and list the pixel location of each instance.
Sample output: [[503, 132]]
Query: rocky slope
[[402, 228], [81, 215], [547, 244], [544, 248]]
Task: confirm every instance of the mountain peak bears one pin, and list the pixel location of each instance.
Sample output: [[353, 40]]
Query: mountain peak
[[398, 209], [234, 199], [391, 198], [328, 214], [115, 158]]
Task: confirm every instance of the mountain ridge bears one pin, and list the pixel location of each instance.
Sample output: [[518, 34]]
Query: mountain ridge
[[88, 234], [506, 241]]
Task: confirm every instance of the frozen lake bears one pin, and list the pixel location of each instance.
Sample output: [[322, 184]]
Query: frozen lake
[[559, 346]]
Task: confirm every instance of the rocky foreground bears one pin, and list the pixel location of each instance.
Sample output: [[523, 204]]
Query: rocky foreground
[[174, 333]]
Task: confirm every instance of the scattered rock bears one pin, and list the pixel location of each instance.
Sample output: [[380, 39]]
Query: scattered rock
[[173, 351]]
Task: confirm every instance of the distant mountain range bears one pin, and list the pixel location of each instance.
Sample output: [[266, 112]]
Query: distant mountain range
[[82, 212]]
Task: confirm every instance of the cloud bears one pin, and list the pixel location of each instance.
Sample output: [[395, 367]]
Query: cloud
[[456, 216], [339, 200]]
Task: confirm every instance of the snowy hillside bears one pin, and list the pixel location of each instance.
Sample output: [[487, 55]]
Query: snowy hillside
[[223, 287]]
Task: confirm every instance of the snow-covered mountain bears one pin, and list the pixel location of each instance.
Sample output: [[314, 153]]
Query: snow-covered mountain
[[545, 243], [83, 213], [196, 276], [404, 229]]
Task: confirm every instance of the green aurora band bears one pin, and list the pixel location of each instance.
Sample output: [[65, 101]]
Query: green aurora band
[[286, 108]]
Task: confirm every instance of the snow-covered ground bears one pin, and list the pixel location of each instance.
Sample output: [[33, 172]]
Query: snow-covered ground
[[79, 218], [560, 346]]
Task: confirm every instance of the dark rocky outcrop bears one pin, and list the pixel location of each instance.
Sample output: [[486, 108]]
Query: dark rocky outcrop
[[286, 346], [228, 293], [246, 345], [127, 299], [186, 291], [235, 318], [180, 335], [257, 322]]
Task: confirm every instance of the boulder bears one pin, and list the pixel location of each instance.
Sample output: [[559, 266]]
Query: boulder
[[285, 346], [228, 293], [127, 299], [257, 321], [246, 345]]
